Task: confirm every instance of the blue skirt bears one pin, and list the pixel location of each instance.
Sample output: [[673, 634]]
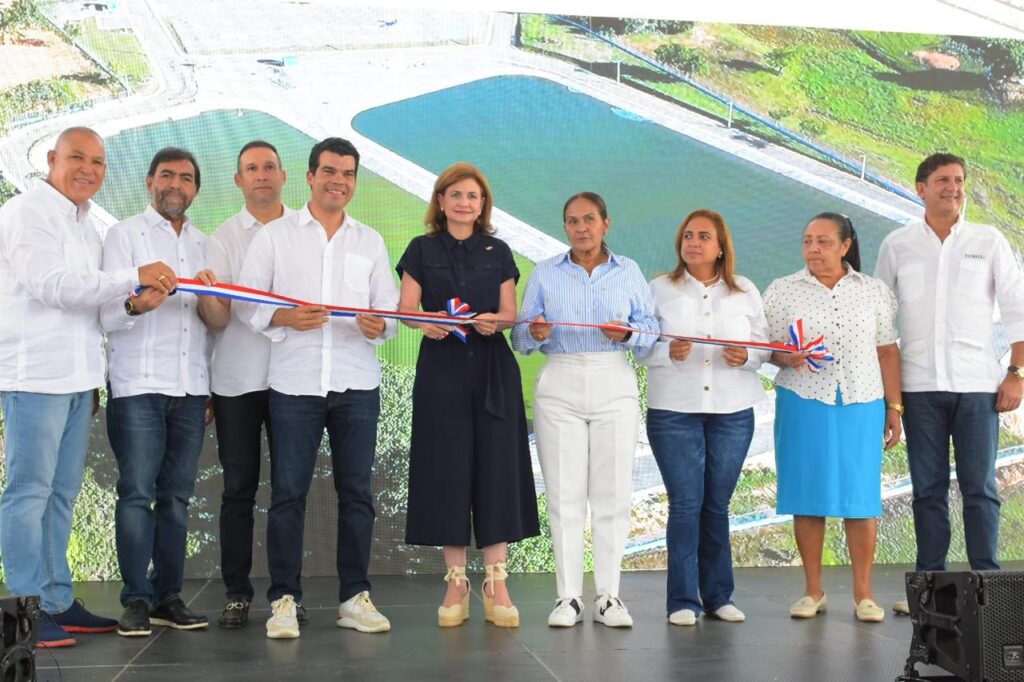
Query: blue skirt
[[828, 457]]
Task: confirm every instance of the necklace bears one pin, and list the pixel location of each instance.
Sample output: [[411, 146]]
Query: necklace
[[706, 282]]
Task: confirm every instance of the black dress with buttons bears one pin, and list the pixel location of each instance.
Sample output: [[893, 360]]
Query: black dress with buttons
[[469, 463]]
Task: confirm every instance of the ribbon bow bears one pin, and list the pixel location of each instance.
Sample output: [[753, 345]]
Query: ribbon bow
[[458, 308], [818, 351]]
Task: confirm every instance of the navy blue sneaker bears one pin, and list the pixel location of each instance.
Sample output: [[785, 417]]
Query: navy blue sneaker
[[78, 619], [51, 635]]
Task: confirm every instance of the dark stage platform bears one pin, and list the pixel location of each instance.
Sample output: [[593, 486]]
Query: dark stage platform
[[769, 646]]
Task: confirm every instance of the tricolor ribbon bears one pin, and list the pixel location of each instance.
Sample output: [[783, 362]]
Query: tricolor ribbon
[[457, 308], [459, 314], [817, 351]]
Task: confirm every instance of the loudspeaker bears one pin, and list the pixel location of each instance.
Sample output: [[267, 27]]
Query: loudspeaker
[[19, 617], [969, 623]]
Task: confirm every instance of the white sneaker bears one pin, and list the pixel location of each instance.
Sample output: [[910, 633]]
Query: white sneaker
[[683, 617], [612, 612], [567, 612], [360, 614], [283, 623], [730, 614], [902, 606]]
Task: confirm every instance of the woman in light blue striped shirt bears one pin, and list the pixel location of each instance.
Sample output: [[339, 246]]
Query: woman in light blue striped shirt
[[586, 408]]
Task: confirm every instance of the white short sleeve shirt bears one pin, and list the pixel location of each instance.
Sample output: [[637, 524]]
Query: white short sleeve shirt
[[856, 316]]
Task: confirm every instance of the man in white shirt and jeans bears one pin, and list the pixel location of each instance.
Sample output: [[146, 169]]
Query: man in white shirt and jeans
[[948, 274], [323, 374], [51, 362], [241, 398], [159, 386]]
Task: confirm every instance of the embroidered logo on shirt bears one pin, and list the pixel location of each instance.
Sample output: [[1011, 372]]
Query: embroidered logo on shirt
[[975, 256]]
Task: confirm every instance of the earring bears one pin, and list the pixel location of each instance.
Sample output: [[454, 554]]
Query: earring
[[720, 254]]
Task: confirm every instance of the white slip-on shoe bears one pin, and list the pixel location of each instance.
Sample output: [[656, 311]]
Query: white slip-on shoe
[[612, 612], [808, 607], [683, 617], [283, 623], [567, 612], [359, 613], [902, 607], [730, 614], [868, 611]]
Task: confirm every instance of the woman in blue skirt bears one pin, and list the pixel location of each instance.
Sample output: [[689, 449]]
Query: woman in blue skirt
[[830, 424]]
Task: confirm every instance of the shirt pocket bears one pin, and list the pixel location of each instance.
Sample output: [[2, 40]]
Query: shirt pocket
[[679, 315], [438, 282], [356, 278], [611, 302], [732, 321], [973, 279], [483, 286], [910, 281]]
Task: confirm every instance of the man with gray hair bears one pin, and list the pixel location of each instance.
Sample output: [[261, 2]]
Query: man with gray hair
[[51, 363]]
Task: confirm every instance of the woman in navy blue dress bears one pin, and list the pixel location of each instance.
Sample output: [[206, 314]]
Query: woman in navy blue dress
[[469, 462]]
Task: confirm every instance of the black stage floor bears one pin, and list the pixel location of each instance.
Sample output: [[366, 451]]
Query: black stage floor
[[769, 646]]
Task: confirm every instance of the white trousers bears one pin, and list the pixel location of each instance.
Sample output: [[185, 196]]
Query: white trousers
[[586, 417]]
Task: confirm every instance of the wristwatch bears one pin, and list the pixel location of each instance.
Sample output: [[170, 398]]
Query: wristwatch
[[1019, 371], [129, 308], [896, 406]]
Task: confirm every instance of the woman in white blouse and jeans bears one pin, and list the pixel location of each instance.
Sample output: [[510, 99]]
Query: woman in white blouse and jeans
[[700, 419], [830, 425]]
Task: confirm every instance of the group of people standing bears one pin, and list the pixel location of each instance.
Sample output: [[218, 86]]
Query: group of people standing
[[296, 372]]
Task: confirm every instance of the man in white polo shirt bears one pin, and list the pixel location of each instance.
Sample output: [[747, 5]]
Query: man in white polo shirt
[[239, 377], [323, 374], [159, 386], [948, 274], [51, 362]]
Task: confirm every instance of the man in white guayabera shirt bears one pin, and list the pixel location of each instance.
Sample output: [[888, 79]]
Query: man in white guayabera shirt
[[51, 363], [159, 386], [239, 377], [323, 374], [948, 274]]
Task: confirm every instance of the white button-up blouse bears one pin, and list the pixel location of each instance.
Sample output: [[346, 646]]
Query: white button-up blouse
[[704, 382]]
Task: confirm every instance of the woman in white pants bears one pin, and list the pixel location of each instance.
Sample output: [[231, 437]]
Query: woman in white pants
[[586, 406]]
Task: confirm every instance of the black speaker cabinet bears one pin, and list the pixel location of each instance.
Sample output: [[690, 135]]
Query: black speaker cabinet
[[19, 617], [969, 623]]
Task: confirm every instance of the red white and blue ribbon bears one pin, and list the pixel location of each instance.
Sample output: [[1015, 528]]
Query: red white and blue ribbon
[[459, 314], [457, 308], [818, 352]]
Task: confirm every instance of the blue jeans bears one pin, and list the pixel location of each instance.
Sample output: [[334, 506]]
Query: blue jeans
[[298, 423], [156, 440], [45, 440], [931, 418], [700, 457]]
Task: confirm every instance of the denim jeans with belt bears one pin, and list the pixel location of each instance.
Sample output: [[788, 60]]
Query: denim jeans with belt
[[298, 423], [930, 420], [156, 440], [700, 457], [45, 440]]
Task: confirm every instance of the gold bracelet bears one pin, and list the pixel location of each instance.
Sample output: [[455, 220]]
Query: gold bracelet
[[896, 406]]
